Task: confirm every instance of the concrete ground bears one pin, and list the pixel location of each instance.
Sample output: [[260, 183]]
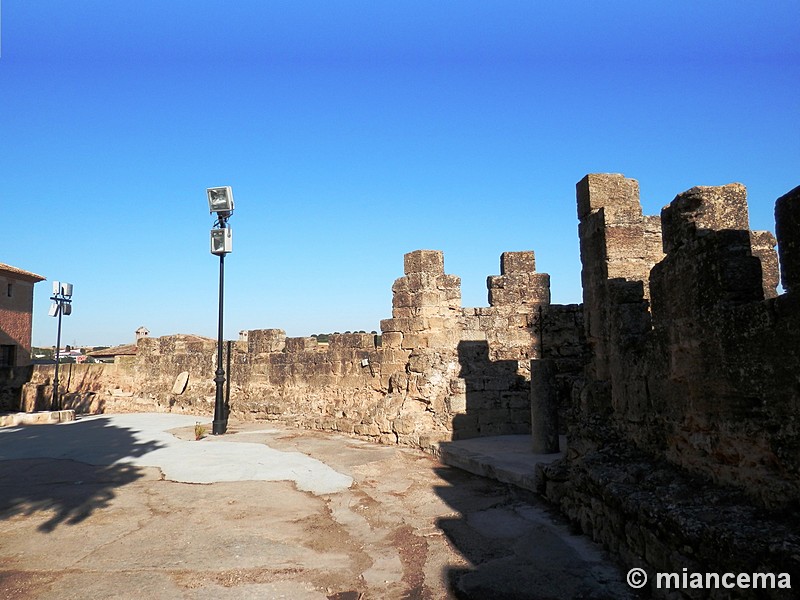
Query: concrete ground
[[131, 506]]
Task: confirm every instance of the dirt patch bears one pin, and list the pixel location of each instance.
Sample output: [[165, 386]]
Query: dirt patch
[[413, 551], [234, 577], [22, 585]]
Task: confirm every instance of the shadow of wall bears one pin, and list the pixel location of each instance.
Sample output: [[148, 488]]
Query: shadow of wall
[[11, 381], [497, 395]]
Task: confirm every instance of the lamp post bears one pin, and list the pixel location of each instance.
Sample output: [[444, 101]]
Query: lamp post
[[62, 305], [220, 201]]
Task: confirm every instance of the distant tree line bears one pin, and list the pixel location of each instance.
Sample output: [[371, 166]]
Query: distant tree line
[[323, 338]]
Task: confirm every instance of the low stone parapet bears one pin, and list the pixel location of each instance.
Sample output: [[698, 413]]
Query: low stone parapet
[[37, 418]]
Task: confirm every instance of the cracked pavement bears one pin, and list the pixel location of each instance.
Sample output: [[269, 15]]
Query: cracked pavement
[[131, 506]]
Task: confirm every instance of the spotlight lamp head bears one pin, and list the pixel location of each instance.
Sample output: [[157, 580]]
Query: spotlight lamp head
[[220, 200], [61, 299], [221, 241]]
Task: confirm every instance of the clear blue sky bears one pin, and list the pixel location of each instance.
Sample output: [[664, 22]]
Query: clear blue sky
[[354, 132]]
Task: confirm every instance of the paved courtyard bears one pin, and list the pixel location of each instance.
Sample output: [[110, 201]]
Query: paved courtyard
[[131, 506]]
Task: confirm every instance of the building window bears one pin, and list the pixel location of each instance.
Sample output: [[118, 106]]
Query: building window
[[10, 287], [7, 355]]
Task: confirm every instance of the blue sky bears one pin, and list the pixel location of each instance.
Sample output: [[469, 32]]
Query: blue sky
[[354, 132]]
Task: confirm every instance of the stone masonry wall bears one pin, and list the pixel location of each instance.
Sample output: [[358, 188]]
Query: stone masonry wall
[[441, 371], [684, 450], [694, 355]]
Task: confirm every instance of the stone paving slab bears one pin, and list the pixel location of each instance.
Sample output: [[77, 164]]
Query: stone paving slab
[[506, 458]]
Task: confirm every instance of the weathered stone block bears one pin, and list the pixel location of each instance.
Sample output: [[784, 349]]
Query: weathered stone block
[[544, 407], [625, 241], [471, 331], [362, 341], [390, 326], [404, 425], [457, 404], [494, 322], [623, 291], [413, 341], [538, 290], [424, 261], [443, 338], [371, 429], [612, 192], [449, 282], [630, 268], [502, 297], [300, 344], [426, 298], [147, 346], [265, 340], [405, 313], [402, 299], [701, 209], [479, 399], [391, 339], [517, 262], [345, 426]]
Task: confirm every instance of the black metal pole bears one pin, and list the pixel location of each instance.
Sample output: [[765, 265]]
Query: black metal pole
[[220, 423], [56, 402], [229, 344]]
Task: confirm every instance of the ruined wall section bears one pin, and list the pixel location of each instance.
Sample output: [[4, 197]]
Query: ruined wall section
[[730, 401], [515, 297], [468, 369], [686, 360], [336, 386], [619, 246], [495, 348], [85, 388], [160, 366], [422, 336], [695, 385], [441, 372]]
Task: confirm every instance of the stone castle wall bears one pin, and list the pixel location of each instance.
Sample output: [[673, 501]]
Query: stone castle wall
[[694, 356], [684, 449], [440, 371]]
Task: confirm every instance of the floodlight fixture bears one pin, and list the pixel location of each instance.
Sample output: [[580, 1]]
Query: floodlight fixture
[[220, 200], [62, 299], [221, 241]]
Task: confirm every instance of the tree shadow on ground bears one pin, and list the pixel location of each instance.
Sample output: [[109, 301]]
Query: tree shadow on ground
[[68, 469]]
